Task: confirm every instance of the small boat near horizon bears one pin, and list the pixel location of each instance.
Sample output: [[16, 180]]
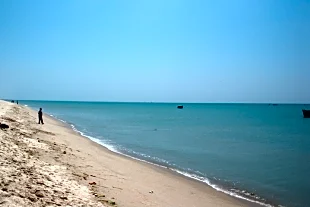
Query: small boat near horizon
[[306, 113], [180, 107]]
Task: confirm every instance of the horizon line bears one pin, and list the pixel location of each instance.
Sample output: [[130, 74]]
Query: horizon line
[[158, 102]]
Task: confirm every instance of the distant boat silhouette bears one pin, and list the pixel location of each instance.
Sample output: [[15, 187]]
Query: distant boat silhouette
[[180, 107], [306, 113]]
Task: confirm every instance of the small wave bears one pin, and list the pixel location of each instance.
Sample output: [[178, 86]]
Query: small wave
[[25, 105], [139, 154], [111, 147], [216, 187], [62, 121], [98, 141]]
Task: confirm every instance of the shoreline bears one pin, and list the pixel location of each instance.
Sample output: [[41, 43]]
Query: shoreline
[[158, 167], [107, 177]]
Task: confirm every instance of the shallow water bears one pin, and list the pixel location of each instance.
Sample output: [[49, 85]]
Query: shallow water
[[258, 151]]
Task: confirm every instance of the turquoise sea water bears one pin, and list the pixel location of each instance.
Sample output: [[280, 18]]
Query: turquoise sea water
[[259, 152]]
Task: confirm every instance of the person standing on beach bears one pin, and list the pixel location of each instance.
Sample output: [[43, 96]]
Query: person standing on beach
[[40, 113]]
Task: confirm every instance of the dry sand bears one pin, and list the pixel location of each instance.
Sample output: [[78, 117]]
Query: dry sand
[[51, 165]]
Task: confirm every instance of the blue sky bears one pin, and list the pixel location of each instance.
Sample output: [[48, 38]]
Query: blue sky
[[156, 50]]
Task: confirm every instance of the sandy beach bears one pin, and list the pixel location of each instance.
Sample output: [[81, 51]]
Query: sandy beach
[[52, 165]]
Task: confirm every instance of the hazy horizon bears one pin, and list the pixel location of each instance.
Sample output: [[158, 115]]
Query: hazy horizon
[[156, 51], [155, 102]]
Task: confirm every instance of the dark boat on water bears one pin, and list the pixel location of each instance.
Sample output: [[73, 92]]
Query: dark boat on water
[[306, 113], [180, 107]]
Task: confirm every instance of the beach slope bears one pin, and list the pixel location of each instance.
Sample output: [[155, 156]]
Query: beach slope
[[52, 165]]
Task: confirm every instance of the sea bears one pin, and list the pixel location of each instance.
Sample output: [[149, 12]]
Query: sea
[[256, 152]]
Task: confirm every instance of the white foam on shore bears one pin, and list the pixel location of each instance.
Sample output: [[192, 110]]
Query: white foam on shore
[[98, 141], [186, 174], [62, 120], [111, 147], [205, 180]]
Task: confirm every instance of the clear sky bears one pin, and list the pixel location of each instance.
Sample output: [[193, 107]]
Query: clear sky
[[156, 50]]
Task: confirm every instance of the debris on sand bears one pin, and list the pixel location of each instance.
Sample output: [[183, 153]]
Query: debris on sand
[[4, 126]]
